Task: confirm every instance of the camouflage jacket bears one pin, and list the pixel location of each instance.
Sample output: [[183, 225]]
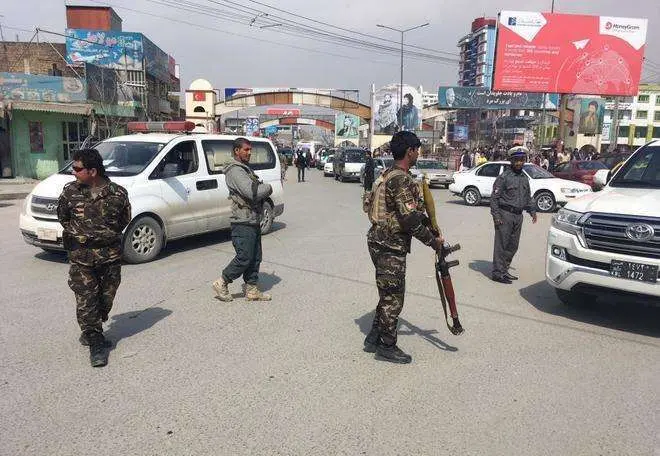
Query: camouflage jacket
[[93, 225], [403, 200]]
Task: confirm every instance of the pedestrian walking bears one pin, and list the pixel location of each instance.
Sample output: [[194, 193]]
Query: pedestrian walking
[[93, 212], [388, 240], [247, 194], [510, 197], [301, 163], [369, 169]]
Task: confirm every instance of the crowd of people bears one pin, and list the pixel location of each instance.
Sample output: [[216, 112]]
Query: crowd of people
[[547, 159]]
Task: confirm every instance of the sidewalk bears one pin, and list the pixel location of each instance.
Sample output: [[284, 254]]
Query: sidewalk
[[16, 188]]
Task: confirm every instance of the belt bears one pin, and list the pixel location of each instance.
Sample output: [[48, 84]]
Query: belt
[[511, 209]]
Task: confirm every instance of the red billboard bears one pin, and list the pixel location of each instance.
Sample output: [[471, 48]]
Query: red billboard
[[568, 53], [283, 112]]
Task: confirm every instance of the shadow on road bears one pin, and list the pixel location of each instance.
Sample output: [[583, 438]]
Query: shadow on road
[[482, 266], [130, 323], [620, 313], [54, 256], [406, 329]]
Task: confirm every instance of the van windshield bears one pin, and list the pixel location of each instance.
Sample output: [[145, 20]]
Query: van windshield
[[124, 158], [642, 170], [355, 156]]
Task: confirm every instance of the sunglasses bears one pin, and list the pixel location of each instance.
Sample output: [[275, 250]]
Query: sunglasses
[[77, 169]]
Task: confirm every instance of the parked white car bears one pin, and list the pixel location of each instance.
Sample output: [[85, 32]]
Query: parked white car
[[175, 186], [609, 242], [547, 190], [328, 167]]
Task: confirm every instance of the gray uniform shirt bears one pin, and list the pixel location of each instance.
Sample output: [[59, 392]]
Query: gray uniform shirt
[[511, 189], [246, 193]]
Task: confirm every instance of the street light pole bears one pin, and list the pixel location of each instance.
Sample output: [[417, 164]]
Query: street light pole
[[401, 31]]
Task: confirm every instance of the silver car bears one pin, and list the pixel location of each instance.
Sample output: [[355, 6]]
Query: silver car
[[436, 171]]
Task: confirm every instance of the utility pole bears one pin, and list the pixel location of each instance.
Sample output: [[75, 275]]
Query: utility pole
[[400, 117]]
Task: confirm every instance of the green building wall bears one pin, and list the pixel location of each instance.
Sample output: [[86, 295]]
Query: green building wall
[[38, 165]]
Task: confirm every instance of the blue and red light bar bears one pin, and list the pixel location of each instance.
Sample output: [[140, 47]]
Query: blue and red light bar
[[173, 126]]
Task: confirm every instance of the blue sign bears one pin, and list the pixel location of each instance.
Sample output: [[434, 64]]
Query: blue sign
[[271, 130], [35, 87], [460, 133], [110, 49]]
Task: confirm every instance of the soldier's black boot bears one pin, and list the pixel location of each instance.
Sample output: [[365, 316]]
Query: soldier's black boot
[[393, 354], [84, 340], [98, 351], [371, 341]]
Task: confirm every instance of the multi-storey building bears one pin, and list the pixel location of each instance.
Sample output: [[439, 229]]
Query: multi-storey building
[[477, 53], [639, 118]]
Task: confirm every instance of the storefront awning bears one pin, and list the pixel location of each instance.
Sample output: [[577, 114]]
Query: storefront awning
[[83, 109]]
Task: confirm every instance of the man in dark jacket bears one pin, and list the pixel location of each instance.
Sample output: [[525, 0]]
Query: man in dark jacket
[[368, 171], [247, 194], [93, 211], [301, 163]]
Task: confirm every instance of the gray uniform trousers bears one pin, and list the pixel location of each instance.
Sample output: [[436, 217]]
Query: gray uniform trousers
[[507, 237]]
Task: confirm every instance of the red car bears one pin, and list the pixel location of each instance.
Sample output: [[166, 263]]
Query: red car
[[578, 170]]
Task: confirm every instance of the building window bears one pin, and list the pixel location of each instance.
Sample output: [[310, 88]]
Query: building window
[[641, 115], [643, 99], [199, 109], [36, 130], [640, 132], [656, 132], [73, 135], [624, 131], [656, 116]]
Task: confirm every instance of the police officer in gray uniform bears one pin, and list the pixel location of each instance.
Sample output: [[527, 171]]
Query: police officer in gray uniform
[[511, 195]]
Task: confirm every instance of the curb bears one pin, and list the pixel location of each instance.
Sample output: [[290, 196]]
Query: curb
[[13, 196]]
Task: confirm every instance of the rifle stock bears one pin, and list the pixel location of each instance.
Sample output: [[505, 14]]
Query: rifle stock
[[442, 275]]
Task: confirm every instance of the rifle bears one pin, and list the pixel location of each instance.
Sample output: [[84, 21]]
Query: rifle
[[441, 270]]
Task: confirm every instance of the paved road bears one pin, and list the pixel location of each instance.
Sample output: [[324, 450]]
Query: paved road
[[193, 376]]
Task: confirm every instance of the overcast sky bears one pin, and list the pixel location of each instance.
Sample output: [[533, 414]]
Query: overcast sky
[[237, 55]]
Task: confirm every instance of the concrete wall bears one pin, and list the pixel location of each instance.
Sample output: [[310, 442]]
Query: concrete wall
[[43, 164]]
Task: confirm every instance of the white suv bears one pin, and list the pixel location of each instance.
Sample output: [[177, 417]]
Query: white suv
[[175, 186], [609, 242]]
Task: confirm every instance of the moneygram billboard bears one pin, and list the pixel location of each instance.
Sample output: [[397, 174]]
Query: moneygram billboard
[[482, 98], [566, 53]]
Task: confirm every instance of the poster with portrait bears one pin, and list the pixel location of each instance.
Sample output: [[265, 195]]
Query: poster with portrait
[[592, 111], [388, 111], [346, 126]]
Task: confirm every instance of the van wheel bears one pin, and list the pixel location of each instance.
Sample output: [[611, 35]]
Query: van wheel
[[544, 201], [143, 240], [574, 298], [267, 216], [472, 197]]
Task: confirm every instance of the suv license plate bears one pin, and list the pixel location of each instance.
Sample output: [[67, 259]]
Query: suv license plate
[[634, 271]]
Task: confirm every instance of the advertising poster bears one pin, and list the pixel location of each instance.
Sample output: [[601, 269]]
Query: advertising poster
[[387, 109], [592, 111], [482, 98], [566, 53], [251, 126], [119, 50], [346, 126], [460, 133], [156, 60], [34, 87]]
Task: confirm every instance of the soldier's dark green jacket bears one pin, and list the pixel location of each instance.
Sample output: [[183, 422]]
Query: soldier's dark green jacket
[[511, 189], [405, 215], [93, 225]]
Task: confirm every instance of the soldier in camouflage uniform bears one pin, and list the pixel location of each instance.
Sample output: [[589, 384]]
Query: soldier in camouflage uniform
[[510, 197], [389, 243], [93, 211]]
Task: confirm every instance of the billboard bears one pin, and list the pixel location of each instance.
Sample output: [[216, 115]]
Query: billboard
[[346, 127], [386, 109], [482, 98], [119, 50], [157, 61], [283, 112], [34, 87], [589, 118], [566, 53], [460, 133], [251, 126]]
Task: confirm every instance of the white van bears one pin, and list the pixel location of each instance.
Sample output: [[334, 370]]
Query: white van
[[175, 186]]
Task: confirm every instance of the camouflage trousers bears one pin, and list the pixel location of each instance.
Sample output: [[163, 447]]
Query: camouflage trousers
[[95, 288], [391, 282]]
